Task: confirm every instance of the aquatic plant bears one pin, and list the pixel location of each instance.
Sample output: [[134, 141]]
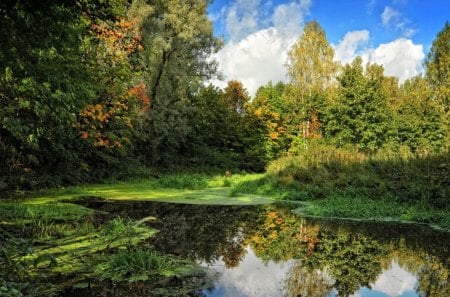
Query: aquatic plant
[[135, 265]]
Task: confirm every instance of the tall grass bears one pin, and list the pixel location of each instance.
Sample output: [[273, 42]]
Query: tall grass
[[135, 265], [322, 170]]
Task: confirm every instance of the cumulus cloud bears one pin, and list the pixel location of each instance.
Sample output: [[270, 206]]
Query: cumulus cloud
[[401, 57], [288, 17], [255, 55], [260, 37], [348, 47], [255, 60], [242, 18]]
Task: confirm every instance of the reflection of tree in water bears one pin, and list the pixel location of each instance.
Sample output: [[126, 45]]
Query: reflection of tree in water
[[345, 256], [205, 233], [305, 282], [434, 279], [351, 259], [433, 271]]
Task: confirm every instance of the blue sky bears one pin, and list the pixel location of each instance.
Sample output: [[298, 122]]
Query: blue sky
[[258, 33]]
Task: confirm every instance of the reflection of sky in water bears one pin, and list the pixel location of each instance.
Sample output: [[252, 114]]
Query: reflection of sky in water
[[394, 282], [253, 278]]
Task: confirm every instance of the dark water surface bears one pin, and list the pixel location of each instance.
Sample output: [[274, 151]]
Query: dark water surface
[[269, 251]]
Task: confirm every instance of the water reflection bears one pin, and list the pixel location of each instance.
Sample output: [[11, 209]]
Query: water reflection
[[269, 251]]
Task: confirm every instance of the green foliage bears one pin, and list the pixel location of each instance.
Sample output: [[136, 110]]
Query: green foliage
[[360, 115], [50, 78], [421, 125], [271, 109], [437, 66], [177, 38], [43, 84], [135, 265]]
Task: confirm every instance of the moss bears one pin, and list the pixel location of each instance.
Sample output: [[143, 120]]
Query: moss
[[150, 189]]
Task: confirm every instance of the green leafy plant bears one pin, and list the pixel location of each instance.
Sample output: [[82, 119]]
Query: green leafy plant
[[135, 265]]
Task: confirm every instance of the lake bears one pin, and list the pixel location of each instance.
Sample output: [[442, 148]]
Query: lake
[[269, 251]]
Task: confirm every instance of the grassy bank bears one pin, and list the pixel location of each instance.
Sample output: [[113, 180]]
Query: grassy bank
[[348, 184], [337, 183]]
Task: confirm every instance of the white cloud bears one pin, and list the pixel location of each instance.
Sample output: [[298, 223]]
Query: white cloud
[[242, 18], [257, 50], [348, 47], [389, 15], [255, 60], [393, 18], [370, 6], [288, 17], [401, 57], [255, 55]]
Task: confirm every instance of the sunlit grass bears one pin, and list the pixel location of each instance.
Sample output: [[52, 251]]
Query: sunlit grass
[[181, 188]]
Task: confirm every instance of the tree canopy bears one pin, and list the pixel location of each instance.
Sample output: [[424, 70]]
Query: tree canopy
[[95, 89]]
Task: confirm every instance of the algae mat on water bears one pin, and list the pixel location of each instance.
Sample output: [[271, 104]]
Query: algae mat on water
[[138, 191]]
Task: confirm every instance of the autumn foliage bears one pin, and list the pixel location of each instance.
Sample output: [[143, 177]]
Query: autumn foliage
[[107, 122]]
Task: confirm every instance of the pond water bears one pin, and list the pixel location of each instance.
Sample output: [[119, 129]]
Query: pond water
[[269, 251]]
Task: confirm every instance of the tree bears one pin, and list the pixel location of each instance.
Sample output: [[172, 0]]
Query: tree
[[178, 39], [359, 116], [270, 107], [64, 89], [245, 132], [43, 84], [207, 144], [311, 69], [310, 64], [437, 66], [420, 123]]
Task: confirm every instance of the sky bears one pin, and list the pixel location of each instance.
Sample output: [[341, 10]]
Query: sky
[[257, 34]]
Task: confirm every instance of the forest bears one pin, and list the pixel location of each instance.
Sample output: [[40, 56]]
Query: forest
[[112, 100], [92, 90]]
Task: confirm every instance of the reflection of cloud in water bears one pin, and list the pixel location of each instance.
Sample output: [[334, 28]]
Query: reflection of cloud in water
[[394, 282], [254, 278], [251, 278]]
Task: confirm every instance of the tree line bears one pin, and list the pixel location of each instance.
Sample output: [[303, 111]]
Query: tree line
[[96, 89]]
